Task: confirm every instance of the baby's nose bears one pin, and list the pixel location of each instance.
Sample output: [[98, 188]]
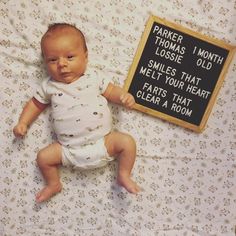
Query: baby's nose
[[62, 62]]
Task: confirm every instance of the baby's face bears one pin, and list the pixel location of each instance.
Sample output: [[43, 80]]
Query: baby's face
[[64, 56]]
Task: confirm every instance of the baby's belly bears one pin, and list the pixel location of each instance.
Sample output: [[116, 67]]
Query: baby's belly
[[79, 126]]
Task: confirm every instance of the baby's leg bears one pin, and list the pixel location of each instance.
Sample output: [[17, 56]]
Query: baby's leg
[[48, 160], [124, 146]]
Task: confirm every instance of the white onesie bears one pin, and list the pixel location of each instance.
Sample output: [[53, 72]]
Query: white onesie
[[81, 118]]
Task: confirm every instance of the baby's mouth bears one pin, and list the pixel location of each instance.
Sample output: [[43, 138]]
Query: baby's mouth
[[65, 74]]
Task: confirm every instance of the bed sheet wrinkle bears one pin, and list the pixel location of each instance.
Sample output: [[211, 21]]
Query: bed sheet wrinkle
[[188, 179]]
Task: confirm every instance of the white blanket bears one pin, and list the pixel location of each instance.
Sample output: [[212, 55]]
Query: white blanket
[[189, 179]]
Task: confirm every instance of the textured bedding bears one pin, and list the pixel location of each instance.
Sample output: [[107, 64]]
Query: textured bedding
[[188, 179]]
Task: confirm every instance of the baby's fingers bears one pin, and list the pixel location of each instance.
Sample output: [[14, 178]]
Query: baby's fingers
[[131, 103], [123, 98], [127, 100], [19, 131]]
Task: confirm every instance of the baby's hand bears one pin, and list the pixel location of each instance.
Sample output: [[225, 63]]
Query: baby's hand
[[127, 100], [20, 130]]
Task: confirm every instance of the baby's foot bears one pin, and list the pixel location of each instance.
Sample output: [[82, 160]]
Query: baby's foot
[[47, 192], [128, 184]]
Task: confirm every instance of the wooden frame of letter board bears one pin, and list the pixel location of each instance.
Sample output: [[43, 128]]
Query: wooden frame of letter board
[[179, 28]]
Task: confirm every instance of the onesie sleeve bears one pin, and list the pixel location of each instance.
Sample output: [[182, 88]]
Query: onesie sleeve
[[41, 93]]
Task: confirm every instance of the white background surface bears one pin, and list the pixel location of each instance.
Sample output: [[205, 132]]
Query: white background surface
[[188, 179]]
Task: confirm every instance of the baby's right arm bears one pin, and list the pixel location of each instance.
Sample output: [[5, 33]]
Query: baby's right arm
[[30, 112]]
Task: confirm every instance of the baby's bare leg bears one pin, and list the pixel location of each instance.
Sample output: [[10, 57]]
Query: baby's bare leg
[[123, 146], [48, 160]]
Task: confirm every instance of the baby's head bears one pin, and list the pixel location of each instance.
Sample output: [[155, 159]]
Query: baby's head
[[64, 52]]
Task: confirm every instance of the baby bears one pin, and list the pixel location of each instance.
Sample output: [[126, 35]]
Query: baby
[[80, 113]]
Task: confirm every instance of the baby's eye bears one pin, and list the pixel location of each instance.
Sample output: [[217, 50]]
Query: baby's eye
[[70, 57], [52, 60]]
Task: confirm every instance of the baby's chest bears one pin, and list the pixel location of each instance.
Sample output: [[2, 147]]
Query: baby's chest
[[74, 96]]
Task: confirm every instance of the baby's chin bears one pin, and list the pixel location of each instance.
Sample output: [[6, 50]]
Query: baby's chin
[[66, 79]]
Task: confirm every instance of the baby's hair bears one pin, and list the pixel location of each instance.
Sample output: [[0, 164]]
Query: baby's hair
[[59, 26]]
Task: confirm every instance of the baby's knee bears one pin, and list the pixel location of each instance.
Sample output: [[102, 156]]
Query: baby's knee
[[129, 142], [117, 143], [41, 159]]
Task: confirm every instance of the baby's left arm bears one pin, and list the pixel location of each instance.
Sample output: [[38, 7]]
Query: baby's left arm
[[118, 95]]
